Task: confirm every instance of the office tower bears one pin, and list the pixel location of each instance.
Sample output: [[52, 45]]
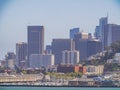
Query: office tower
[[10, 60], [97, 32], [70, 57], [87, 47], [10, 55], [59, 45], [41, 60], [93, 46], [111, 34], [48, 49], [90, 36], [81, 46], [21, 55], [102, 22], [35, 40], [81, 35], [73, 31]]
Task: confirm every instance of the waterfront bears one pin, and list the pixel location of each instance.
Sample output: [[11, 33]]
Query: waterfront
[[58, 88]]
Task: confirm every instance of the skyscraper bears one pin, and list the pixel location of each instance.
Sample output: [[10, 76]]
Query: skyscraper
[[93, 46], [73, 31], [21, 54], [102, 22], [81, 35], [111, 34], [81, 46], [59, 45], [35, 40], [97, 32], [48, 49], [86, 47]]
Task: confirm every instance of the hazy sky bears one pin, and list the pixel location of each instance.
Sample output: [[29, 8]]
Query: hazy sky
[[57, 16]]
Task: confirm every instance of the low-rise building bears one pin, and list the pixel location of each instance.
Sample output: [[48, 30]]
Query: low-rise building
[[82, 69], [117, 58], [71, 68], [94, 70], [20, 78], [67, 68], [39, 60], [82, 82]]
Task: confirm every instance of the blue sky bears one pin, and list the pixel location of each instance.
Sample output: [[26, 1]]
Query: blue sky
[[57, 16]]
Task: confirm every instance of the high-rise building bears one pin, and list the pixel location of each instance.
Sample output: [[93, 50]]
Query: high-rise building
[[41, 60], [87, 47], [21, 55], [35, 40], [111, 34], [97, 32], [102, 22], [81, 35], [73, 31], [59, 45], [48, 49], [10, 55], [70, 57], [81, 46], [10, 60], [90, 36], [93, 46]]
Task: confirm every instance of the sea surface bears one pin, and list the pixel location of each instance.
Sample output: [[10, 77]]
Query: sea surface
[[57, 88]]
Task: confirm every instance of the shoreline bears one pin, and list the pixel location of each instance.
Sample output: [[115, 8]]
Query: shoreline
[[57, 86]]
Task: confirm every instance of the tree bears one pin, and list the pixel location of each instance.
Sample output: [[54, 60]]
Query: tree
[[24, 72]]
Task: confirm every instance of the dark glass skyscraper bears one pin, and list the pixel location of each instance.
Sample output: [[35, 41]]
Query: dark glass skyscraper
[[21, 54], [87, 48], [97, 32], [73, 31], [59, 45], [102, 22], [111, 34], [86, 45], [35, 40]]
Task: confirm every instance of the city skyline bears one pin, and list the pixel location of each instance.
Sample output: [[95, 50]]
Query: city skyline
[[57, 21]]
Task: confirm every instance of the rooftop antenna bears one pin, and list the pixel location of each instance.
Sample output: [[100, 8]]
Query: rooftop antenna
[[107, 16]]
